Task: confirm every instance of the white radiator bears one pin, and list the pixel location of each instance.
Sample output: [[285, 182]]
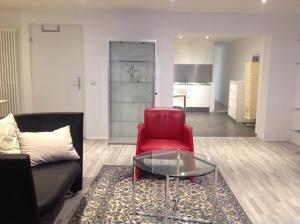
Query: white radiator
[[9, 72]]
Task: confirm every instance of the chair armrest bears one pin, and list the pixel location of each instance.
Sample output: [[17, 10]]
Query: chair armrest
[[18, 198], [141, 137], [187, 136]]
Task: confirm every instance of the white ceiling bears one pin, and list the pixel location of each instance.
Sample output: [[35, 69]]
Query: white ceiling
[[252, 6]]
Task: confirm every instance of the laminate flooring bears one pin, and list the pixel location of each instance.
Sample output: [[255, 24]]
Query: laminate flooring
[[264, 176]]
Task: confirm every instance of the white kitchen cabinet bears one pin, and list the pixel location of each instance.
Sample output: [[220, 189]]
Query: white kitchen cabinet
[[198, 95], [295, 135], [236, 101], [296, 120]]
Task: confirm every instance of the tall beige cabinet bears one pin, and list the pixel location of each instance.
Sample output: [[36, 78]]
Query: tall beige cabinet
[[296, 106], [251, 90]]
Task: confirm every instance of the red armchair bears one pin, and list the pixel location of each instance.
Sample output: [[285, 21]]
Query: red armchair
[[163, 128]]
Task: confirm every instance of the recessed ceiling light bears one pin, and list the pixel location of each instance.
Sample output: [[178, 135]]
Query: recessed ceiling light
[[180, 37], [172, 0], [264, 1], [207, 37]]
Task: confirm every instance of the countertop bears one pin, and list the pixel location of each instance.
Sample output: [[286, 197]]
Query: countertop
[[193, 83]]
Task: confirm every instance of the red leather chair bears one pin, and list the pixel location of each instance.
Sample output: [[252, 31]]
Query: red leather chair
[[163, 128]]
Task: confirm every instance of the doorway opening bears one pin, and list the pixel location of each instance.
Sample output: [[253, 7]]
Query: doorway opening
[[216, 78]]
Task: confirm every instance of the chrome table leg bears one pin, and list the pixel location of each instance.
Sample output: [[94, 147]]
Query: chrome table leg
[[133, 187], [166, 199], [176, 200], [215, 199], [177, 190], [166, 215]]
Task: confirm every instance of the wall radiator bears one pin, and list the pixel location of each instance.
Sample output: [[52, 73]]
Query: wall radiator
[[9, 72]]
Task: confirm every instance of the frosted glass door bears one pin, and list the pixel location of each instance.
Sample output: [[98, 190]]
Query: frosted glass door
[[131, 85]]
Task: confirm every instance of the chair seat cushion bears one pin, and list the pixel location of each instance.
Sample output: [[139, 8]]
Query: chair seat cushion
[[152, 144], [52, 181]]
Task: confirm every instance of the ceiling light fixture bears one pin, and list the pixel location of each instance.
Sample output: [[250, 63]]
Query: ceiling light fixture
[[180, 37], [172, 0], [207, 37], [264, 1]]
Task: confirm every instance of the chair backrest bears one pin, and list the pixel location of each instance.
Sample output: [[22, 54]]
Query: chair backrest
[[164, 123]]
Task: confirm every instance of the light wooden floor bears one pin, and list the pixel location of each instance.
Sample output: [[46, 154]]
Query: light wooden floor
[[264, 176]]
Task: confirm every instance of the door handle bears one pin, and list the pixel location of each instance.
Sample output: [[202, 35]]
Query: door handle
[[77, 83]]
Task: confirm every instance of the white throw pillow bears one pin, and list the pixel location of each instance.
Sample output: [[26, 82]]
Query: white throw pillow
[[45, 147], [8, 135]]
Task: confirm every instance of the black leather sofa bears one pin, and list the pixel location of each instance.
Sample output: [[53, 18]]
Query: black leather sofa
[[35, 195]]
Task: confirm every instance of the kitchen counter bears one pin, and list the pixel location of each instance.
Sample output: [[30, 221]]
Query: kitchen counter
[[193, 83], [198, 95]]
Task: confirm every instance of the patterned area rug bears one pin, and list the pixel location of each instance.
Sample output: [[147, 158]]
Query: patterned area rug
[[109, 199]]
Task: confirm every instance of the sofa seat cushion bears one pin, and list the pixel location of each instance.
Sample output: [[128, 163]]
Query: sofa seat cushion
[[52, 181], [152, 144]]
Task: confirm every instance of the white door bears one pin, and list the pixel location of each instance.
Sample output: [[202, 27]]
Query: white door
[[56, 61]]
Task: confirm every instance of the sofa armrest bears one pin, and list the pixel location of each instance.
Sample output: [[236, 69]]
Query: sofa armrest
[[187, 136], [18, 198], [141, 137], [38, 122]]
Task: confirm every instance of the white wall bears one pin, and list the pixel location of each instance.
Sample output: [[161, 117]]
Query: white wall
[[242, 52], [263, 87], [99, 27], [9, 18], [194, 51], [232, 56]]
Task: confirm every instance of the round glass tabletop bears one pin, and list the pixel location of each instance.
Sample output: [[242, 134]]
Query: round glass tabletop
[[174, 163]]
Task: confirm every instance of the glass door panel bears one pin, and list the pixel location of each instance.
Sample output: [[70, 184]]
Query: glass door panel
[[131, 87]]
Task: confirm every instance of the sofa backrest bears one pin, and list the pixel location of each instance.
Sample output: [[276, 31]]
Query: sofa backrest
[[164, 123], [39, 122]]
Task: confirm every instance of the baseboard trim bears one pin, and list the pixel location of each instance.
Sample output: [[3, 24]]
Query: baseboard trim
[[95, 138]]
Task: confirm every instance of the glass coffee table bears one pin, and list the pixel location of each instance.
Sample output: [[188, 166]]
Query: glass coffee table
[[174, 164]]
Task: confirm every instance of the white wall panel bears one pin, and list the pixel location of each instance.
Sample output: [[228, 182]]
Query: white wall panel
[[99, 27]]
